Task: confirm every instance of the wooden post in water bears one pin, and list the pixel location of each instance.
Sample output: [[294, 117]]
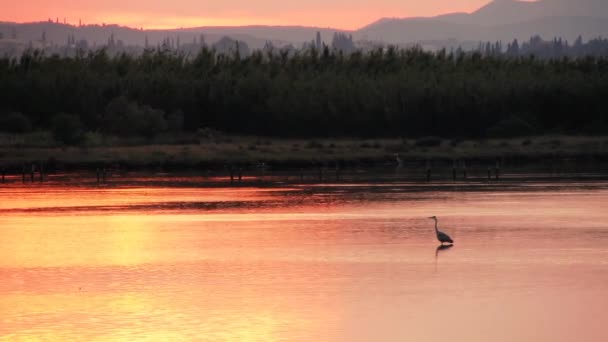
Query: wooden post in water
[[32, 173], [337, 172], [240, 174], [231, 175], [497, 169]]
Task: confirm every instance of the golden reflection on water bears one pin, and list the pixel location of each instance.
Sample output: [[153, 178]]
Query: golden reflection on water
[[50, 241], [125, 316], [526, 266]]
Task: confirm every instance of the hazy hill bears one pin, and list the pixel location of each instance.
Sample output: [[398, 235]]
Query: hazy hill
[[500, 20], [416, 29], [503, 12], [254, 36], [56, 33], [497, 20]]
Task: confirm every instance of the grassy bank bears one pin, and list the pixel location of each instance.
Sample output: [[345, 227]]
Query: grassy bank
[[222, 150]]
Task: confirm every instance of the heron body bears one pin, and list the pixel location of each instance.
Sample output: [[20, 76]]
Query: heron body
[[441, 236]]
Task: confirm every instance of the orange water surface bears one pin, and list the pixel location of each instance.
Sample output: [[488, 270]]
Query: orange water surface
[[347, 262]]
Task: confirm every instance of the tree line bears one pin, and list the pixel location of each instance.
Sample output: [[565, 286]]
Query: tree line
[[547, 49], [317, 93]]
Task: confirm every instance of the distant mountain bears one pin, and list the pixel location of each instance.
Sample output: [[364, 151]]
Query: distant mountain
[[568, 27], [503, 12], [416, 29], [96, 35], [499, 20], [254, 36]]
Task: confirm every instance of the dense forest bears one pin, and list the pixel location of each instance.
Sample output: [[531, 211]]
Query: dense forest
[[384, 93]]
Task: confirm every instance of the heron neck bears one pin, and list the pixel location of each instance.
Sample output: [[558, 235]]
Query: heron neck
[[435, 225]]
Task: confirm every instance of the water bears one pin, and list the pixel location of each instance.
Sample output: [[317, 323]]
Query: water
[[342, 262]]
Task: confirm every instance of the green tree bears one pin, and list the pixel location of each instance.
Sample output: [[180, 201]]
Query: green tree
[[67, 129]]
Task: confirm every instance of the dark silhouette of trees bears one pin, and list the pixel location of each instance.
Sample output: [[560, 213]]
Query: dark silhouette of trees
[[342, 42], [384, 93], [67, 129], [14, 122], [548, 49], [124, 118]]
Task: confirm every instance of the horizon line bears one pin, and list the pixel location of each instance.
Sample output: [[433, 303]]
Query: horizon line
[[172, 28]]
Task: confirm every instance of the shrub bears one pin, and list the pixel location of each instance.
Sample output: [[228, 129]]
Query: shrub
[[456, 142], [597, 127], [175, 121], [209, 134], [117, 118], [314, 144], [15, 122], [510, 128], [67, 129], [126, 118], [150, 121], [93, 139], [429, 142]]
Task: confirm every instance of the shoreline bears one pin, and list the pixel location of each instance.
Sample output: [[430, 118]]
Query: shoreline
[[295, 154]]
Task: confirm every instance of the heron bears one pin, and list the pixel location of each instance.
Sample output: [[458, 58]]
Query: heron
[[398, 160], [441, 236]]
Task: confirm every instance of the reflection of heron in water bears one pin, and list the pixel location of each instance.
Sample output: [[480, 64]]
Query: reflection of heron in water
[[438, 250], [441, 236], [442, 248]]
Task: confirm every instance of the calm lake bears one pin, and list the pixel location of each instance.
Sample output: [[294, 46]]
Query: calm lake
[[314, 262]]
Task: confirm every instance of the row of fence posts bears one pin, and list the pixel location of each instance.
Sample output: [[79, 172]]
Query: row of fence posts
[[236, 173], [464, 171], [323, 175], [29, 173]]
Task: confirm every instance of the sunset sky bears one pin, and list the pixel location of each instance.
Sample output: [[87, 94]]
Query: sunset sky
[[344, 14]]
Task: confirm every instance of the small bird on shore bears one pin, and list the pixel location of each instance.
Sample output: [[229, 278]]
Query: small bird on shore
[[441, 236]]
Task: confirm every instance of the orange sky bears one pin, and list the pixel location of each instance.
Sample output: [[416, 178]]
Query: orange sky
[[343, 14]]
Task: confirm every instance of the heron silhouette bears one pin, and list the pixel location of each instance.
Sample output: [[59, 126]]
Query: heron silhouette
[[441, 236]]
